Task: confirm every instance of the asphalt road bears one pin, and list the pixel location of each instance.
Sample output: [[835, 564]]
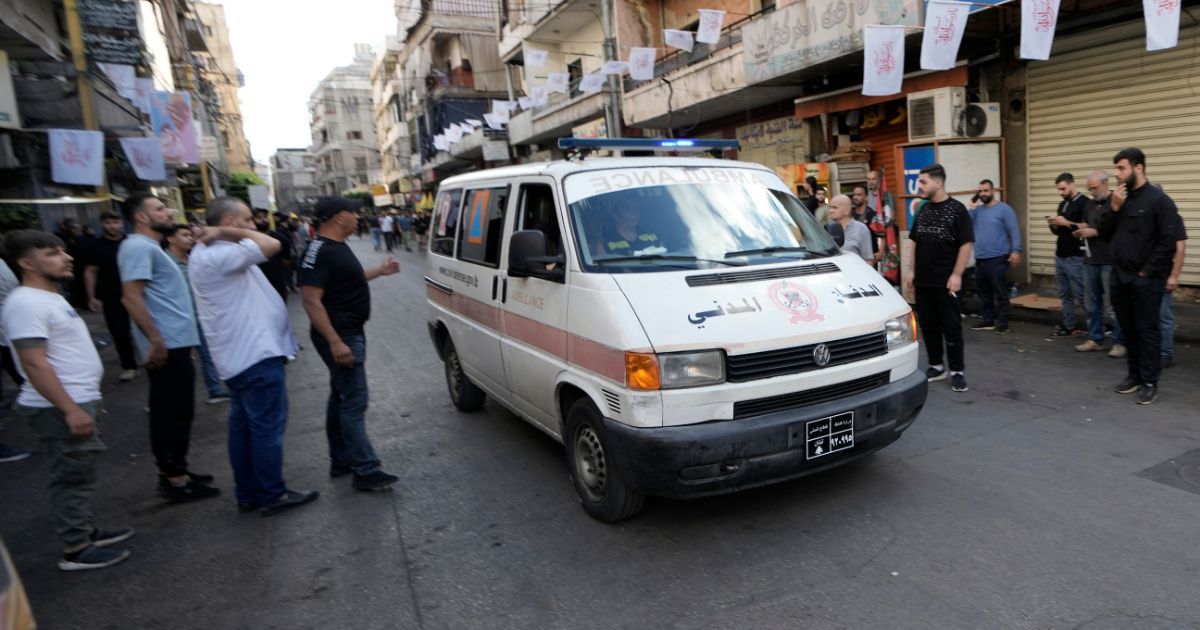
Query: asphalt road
[[1019, 504]]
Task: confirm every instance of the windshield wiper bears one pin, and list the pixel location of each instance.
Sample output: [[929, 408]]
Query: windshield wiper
[[655, 257], [774, 249]]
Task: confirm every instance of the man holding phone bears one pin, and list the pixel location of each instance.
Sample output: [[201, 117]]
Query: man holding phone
[[942, 237], [1068, 252]]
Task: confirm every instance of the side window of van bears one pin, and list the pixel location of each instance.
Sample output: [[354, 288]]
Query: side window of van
[[537, 212], [482, 230], [445, 222]]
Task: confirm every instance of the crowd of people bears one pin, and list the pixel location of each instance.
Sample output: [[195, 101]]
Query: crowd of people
[[392, 228], [218, 289]]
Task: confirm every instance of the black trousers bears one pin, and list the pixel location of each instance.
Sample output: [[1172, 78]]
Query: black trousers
[[1136, 302], [941, 323], [116, 318], [991, 283], [172, 389], [10, 367]]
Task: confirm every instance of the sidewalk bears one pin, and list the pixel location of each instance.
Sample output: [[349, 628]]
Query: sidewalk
[[1046, 308]]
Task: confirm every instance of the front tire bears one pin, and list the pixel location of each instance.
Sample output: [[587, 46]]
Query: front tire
[[465, 395], [602, 491]]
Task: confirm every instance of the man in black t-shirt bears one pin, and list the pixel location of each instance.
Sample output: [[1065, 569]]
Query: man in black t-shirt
[[278, 267], [338, 302], [102, 280], [942, 237], [1068, 252]]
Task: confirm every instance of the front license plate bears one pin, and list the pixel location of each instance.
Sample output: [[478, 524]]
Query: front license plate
[[829, 435]]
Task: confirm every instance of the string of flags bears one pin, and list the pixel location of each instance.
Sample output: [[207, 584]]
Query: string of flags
[[946, 21]]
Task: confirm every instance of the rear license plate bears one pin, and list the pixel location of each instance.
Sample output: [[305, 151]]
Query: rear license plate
[[829, 435]]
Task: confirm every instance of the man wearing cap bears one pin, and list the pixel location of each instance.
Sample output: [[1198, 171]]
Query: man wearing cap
[[338, 303]]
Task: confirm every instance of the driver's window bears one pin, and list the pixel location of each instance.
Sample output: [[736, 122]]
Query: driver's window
[[537, 212]]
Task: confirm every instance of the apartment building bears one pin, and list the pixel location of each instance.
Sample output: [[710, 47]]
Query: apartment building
[[342, 123]]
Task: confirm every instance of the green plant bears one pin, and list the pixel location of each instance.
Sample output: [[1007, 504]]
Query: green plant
[[239, 183], [18, 217]]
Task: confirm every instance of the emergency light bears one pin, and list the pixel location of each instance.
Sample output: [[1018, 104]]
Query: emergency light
[[643, 144]]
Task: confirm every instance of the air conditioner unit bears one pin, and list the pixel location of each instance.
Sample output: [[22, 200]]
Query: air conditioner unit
[[932, 115], [979, 120]]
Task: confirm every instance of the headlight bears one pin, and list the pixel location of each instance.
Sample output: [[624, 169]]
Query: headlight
[[691, 369], [901, 331]]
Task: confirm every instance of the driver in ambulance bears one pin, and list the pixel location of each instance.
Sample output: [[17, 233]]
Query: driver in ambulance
[[623, 235]]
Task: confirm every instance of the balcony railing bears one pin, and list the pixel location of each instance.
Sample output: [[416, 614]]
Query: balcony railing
[[554, 99], [678, 58]]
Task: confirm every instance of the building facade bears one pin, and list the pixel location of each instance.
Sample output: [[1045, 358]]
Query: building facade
[[220, 70], [342, 122], [294, 180]]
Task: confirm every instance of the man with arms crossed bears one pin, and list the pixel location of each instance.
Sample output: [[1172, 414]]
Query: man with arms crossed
[[61, 395]]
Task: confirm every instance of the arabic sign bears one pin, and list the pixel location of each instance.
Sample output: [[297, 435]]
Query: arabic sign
[[809, 32], [76, 157], [699, 317], [110, 30], [773, 143]]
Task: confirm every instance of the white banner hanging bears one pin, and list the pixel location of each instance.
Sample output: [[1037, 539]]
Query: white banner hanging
[[535, 58], [440, 143], [123, 77], [454, 133], [539, 96], [614, 67], [146, 157], [711, 21], [557, 82], [883, 60], [1162, 23], [945, 23], [641, 63], [1038, 19], [504, 107], [499, 115], [591, 82], [141, 94], [493, 122], [77, 157], [525, 102], [678, 39], [474, 122]]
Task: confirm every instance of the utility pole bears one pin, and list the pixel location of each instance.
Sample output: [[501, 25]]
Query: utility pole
[[613, 113], [83, 83]]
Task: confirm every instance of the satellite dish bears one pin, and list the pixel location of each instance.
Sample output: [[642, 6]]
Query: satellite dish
[[973, 121]]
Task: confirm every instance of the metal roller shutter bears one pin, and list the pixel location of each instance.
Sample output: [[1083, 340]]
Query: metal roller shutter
[[1077, 121]]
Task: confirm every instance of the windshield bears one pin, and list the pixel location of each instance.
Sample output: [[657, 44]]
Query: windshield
[[692, 218]]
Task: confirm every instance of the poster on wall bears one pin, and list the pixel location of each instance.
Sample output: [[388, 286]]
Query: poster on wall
[[171, 119], [773, 143], [915, 158]]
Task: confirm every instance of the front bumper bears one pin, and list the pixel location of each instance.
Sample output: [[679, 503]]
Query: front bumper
[[729, 455]]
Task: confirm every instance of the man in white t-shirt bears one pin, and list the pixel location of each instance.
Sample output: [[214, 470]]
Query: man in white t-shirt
[[388, 226], [61, 394], [250, 339]]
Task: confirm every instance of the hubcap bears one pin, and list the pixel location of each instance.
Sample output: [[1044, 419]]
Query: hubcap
[[589, 462], [452, 373]]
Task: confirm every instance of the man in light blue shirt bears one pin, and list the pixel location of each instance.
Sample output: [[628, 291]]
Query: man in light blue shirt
[[997, 245], [156, 295]]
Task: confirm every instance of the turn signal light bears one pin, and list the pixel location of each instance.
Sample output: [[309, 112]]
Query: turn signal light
[[641, 371], [912, 322]]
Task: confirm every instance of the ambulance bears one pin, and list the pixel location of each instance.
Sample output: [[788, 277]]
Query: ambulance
[[682, 325]]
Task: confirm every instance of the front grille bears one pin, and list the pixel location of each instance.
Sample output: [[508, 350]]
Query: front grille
[[761, 406], [749, 367], [734, 277]]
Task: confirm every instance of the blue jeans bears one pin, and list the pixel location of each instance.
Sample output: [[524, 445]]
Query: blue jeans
[[1098, 289], [1166, 320], [345, 413], [212, 382], [991, 283], [258, 413], [1068, 272], [376, 234]]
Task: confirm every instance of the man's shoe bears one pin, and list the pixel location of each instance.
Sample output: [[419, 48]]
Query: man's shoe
[[216, 400], [377, 480], [1118, 351], [983, 326], [1128, 386], [934, 374], [191, 491], [289, 500], [200, 478], [1063, 331], [12, 454], [128, 375], [1002, 330], [339, 470], [91, 557], [1147, 393], [246, 508], [958, 383], [106, 537], [1089, 346]]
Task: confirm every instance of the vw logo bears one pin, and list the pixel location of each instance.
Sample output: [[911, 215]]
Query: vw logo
[[821, 355]]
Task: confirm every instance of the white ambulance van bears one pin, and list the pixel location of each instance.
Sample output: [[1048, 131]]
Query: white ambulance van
[[682, 325]]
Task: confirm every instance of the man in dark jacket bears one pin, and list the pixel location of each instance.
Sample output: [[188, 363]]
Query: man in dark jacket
[[1141, 223]]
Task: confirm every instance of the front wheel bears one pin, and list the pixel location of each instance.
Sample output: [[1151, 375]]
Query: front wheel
[[465, 395], [601, 490]]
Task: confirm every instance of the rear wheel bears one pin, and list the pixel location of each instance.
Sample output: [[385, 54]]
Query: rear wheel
[[601, 490], [463, 393]]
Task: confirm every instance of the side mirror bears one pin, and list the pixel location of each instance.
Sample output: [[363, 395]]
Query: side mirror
[[528, 257], [835, 230]]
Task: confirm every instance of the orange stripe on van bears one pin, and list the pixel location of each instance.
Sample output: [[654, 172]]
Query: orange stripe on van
[[588, 354]]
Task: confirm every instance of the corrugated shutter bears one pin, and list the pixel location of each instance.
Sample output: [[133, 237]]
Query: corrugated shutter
[[1099, 93]]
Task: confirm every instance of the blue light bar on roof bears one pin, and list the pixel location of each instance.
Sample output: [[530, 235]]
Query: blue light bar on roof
[[645, 144]]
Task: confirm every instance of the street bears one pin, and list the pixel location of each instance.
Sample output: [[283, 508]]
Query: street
[[1023, 503]]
